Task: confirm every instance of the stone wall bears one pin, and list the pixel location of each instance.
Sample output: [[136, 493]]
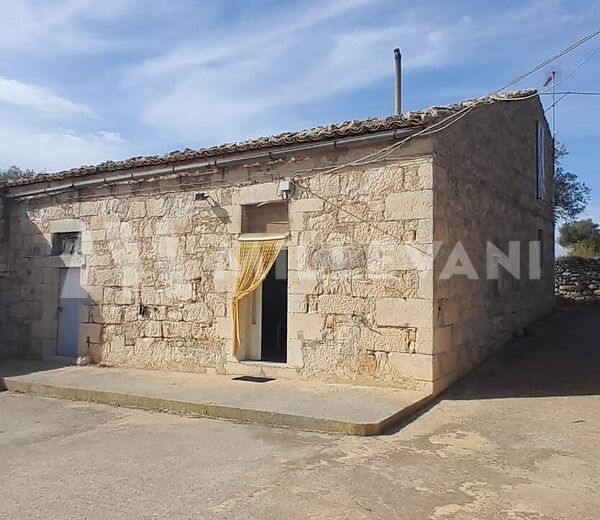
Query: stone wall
[[485, 190], [578, 279], [4, 283], [158, 270]]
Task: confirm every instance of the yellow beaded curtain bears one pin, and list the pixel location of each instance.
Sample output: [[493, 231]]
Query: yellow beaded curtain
[[255, 259]]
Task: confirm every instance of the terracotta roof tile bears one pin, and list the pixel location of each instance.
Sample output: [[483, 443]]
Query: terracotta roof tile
[[321, 133]]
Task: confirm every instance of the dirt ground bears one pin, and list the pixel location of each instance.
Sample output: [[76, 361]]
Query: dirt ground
[[517, 439]]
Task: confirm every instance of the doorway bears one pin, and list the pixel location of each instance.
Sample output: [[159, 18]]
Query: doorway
[[274, 311], [263, 316], [68, 312]]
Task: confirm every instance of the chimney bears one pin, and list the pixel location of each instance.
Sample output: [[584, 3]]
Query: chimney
[[398, 78]]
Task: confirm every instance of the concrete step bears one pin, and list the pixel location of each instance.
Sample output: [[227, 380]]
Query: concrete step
[[335, 408]]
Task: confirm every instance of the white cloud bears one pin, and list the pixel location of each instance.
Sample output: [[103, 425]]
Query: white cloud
[[216, 90], [56, 150], [40, 99], [49, 28]]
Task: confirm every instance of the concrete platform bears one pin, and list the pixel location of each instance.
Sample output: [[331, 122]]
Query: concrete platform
[[334, 408]]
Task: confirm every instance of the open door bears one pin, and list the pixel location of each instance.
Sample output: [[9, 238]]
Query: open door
[[263, 315], [274, 308]]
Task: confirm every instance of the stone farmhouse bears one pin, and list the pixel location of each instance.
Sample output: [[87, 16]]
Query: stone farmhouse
[[316, 255]]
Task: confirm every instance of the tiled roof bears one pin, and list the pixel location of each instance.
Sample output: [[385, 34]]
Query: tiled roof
[[321, 133]]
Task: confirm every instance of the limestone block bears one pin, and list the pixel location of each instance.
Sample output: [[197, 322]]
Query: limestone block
[[450, 362], [130, 276], [123, 296], [302, 282], [44, 329], [297, 222], [182, 292], [448, 312], [341, 304], [95, 293], [305, 326], [337, 258], [434, 340], [174, 329], [224, 327], [137, 209], [153, 329], [305, 205], [89, 208], [233, 218], [418, 177], [169, 246], [155, 208], [91, 331], [224, 281], [409, 205], [386, 340], [294, 353], [297, 303], [112, 313], [256, 193], [45, 292], [412, 366], [198, 312], [405, 313], [383, 258], [67, 226], [87, 247], [425, 284]]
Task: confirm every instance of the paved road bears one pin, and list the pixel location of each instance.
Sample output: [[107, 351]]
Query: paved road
[[518, 439]]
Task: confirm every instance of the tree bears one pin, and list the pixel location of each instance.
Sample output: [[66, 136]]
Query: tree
[[571, 195], [14, 171], [581, 238]]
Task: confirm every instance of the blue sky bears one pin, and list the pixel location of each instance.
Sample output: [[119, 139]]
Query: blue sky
[[85, 81]]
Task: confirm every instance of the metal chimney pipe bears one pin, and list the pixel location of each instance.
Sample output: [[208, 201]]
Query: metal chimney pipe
[[398, 85]]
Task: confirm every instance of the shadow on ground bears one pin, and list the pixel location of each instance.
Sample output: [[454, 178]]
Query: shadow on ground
[[560, 356], [10, 367]]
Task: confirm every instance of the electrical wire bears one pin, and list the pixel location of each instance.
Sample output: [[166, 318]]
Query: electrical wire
[[438, 126], [550, 87], [555, 103], [571, 93], [568, 49]]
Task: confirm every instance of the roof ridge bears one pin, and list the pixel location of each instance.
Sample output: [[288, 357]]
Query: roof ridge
[[318, 133]]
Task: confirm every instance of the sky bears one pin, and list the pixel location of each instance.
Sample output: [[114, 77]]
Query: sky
[[83, 81]]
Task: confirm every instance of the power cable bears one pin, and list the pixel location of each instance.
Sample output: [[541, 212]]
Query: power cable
[[568, 49]]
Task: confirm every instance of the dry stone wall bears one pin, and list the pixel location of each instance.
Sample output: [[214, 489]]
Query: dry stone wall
[[578, 279]]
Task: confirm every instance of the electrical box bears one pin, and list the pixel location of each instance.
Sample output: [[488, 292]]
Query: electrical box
[[286, 187]]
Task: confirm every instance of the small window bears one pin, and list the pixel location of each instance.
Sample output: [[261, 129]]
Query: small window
[[66, 244], [541, 160], [269, 217]]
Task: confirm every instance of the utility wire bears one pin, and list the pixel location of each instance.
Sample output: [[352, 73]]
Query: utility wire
[[550, 60], [457, 116], [555, 103], [550, 87], [439, 126], [571, 93]]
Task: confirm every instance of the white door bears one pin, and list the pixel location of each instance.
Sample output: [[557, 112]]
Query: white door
[[68, 312], [252, 338]]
